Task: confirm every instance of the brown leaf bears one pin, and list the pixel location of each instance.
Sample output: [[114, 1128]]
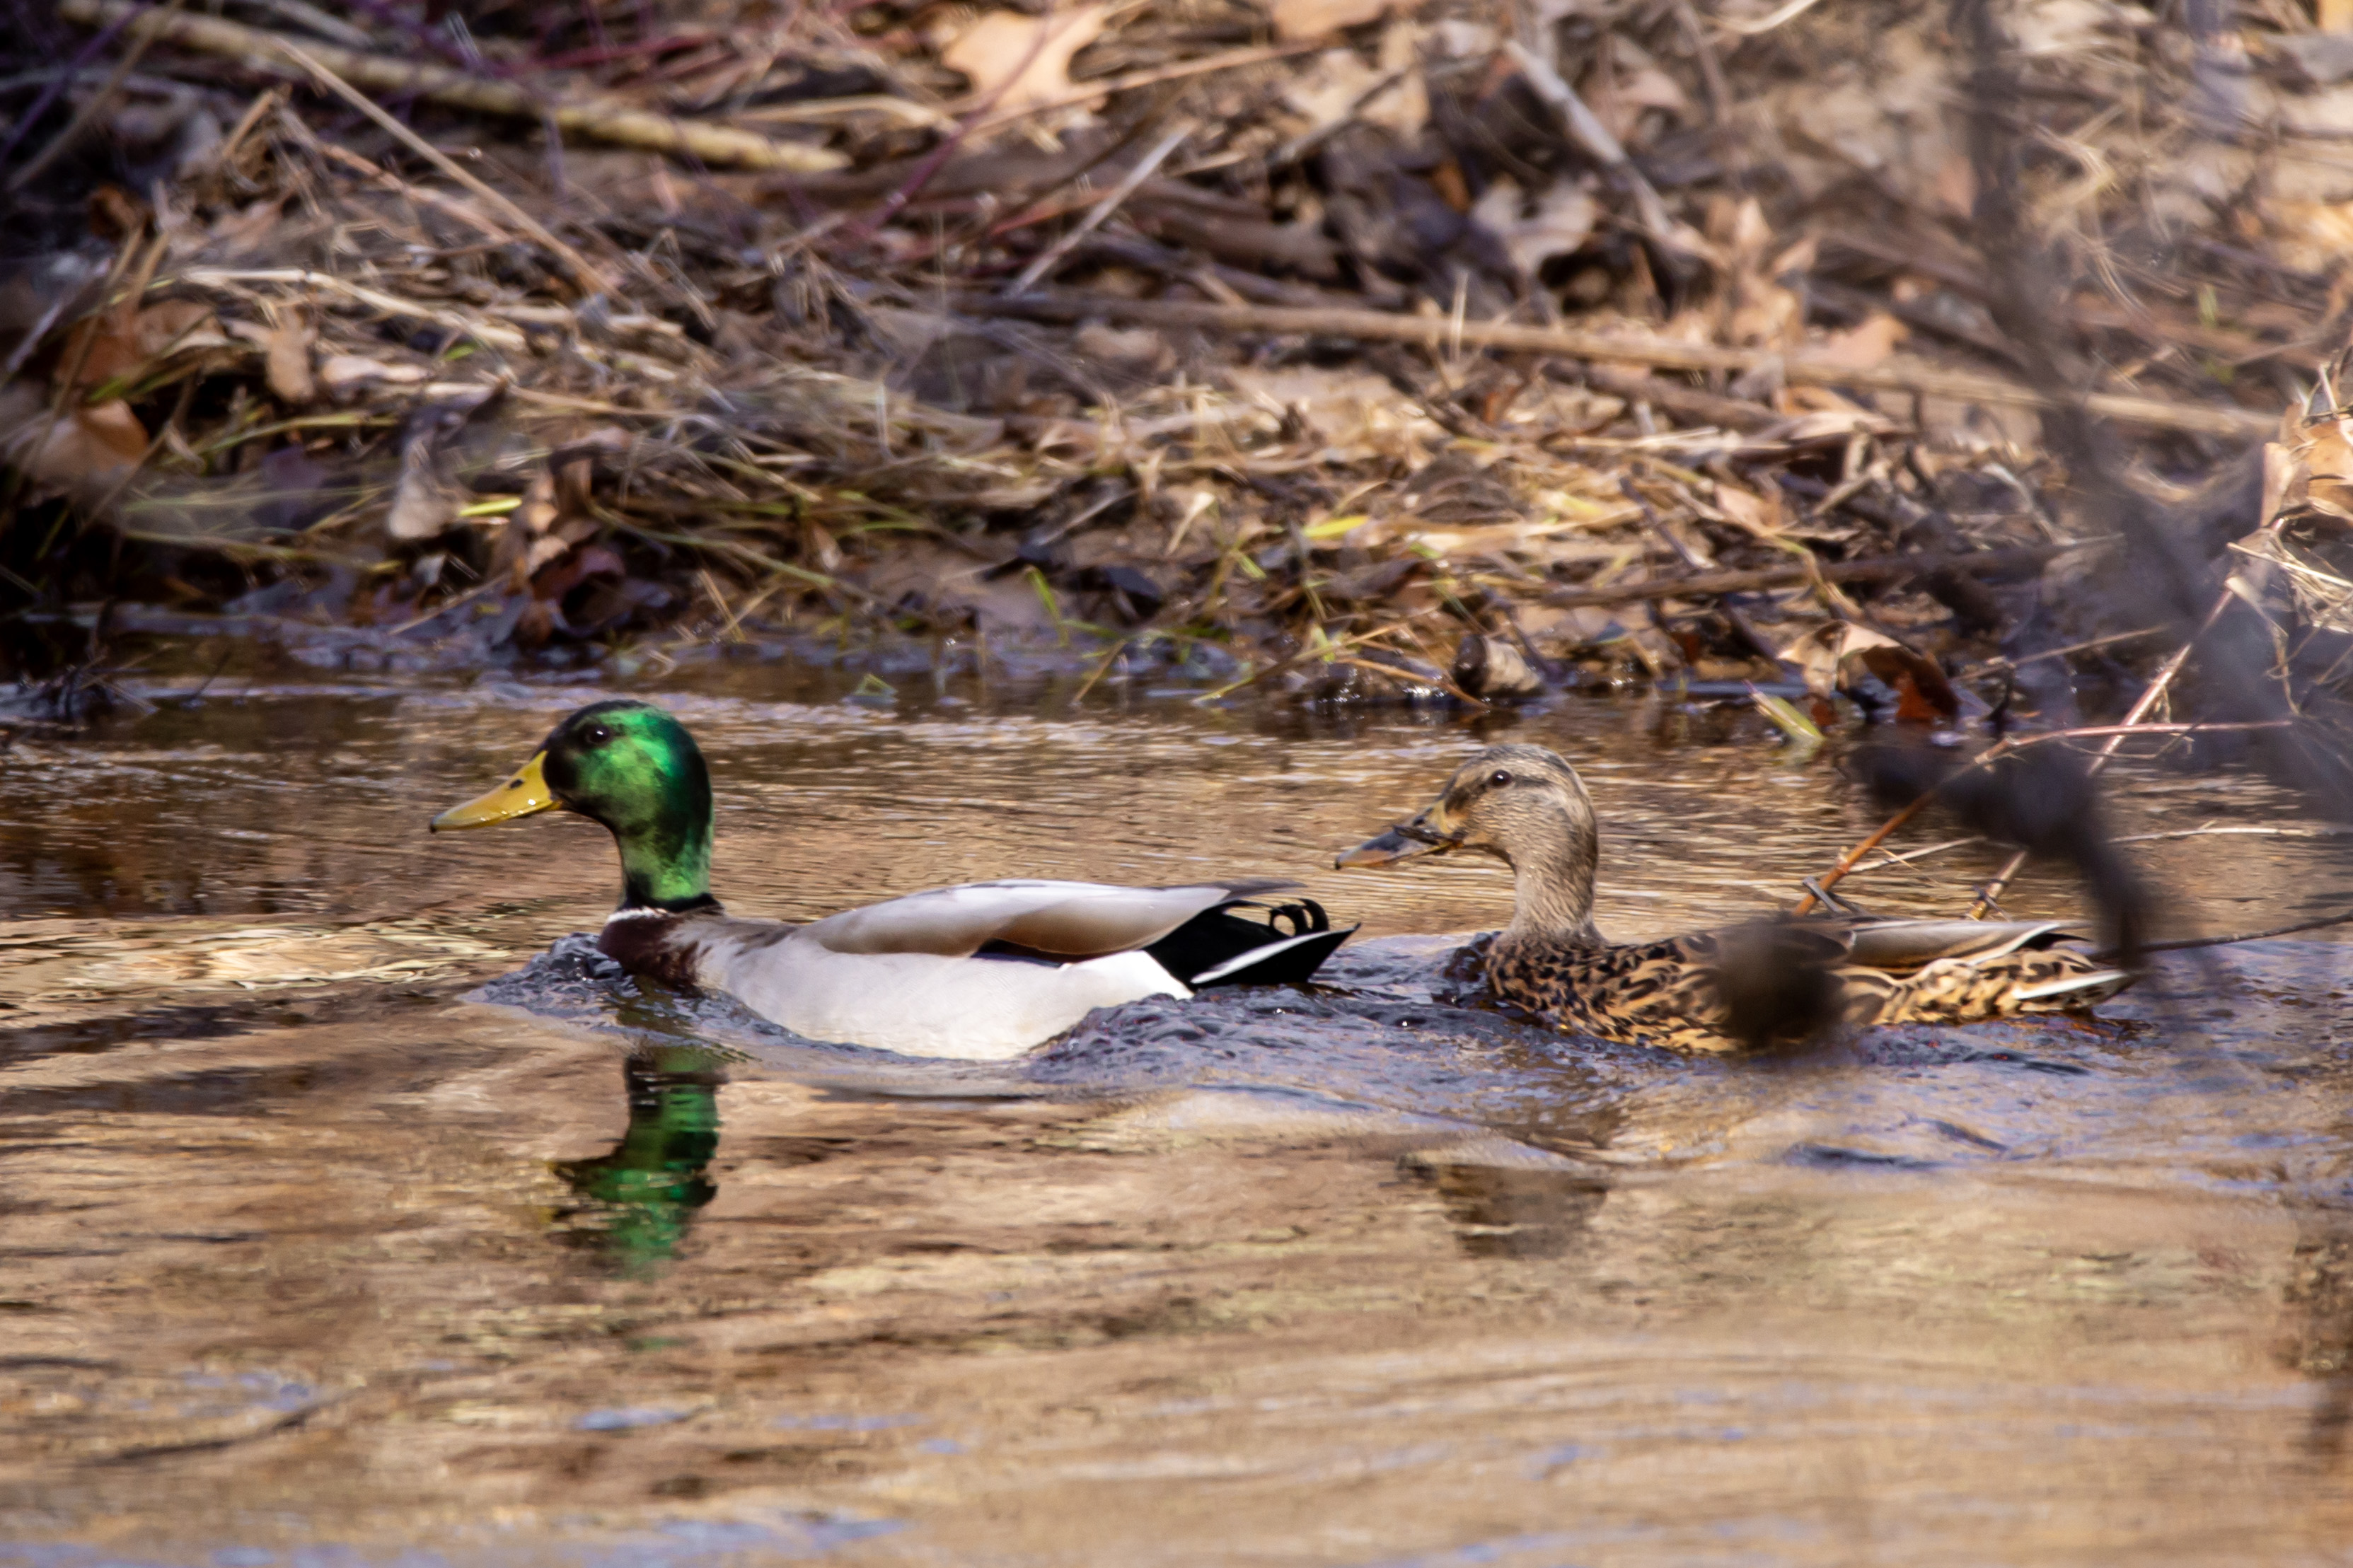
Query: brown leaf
[[115, 215], [595, 561], [347, 375], [423, 505], [87, 452], [1760, 515], [553, 516], [1534, 233], [1314, 19], [1338, 84], [239, 232], [286, 364], [1827, 655], [1023, 61], [426, 501], [1864, 345], [2312, 236], [1619, 91]]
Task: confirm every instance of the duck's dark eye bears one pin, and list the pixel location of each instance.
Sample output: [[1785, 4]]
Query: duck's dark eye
[[597, 734], [1498, 778]]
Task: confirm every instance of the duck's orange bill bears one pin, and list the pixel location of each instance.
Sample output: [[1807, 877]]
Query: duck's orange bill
[[520, 795]]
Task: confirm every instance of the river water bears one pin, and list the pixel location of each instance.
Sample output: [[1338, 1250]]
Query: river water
[[331, 1234]]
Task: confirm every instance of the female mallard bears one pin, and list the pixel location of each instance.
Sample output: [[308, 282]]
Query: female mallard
[[1715, 990], [985, 971]]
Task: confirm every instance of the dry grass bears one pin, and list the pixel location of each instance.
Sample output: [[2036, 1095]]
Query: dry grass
[[1652, 293]]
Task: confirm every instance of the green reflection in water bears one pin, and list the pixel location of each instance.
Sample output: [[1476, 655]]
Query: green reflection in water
[[641, 1197]]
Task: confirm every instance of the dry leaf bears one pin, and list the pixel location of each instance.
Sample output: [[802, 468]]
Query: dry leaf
[[286, 364], [1812, 425], [1760, 515], [1557, 224], [1493, 669], [427, 499], [1763, 312], [1137, 349], [1388, 93], [1830, 654], [1632, 82], [238, 232], [1865, 344], [1314, 19], [1021, 62], [2312, 236], [423, 505], [2304, 540], [344, 375], [121, 341], [553, 518], [88, 451]]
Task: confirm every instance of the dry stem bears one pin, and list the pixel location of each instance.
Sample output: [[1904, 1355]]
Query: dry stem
[[1440, 333]]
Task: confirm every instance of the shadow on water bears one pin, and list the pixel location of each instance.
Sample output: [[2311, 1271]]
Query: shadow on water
[[639, 1199]]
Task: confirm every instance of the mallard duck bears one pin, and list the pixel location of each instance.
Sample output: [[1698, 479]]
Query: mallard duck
[[1708, 991], [984, 971]]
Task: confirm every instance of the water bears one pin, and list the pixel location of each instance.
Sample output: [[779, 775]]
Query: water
[[306, 1258]]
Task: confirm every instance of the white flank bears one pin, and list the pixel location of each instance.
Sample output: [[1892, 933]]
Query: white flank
[[921, 1004]]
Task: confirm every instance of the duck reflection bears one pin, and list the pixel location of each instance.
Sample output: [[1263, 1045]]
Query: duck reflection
[[638, 1200], [1506, 1212]]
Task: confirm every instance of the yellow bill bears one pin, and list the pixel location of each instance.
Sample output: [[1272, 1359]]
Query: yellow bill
[[520, 795]]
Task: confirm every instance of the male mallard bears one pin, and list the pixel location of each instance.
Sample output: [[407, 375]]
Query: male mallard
[[984, 971], [1527, 807]]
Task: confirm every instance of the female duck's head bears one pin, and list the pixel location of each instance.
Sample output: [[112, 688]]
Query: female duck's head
[[1526, 806], [634, 768]]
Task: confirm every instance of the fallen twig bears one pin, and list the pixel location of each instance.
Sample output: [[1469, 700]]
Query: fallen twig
[[490, 334], [2000, 749], [1870, 569], [1991, 894], [463, 212], [1441, 332], [1047, 258], [1689, 402], [1104, 87], [1816, 891], [1914, 857], [2184, 945], [586, 273]]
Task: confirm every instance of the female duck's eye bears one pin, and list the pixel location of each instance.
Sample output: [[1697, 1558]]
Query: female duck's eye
[[598, 734], [1498, 778]]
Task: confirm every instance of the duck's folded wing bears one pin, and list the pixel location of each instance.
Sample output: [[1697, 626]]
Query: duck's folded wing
[[1907, 944], [1064, 921]]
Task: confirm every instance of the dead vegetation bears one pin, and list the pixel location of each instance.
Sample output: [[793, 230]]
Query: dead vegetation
[[1285, 344]]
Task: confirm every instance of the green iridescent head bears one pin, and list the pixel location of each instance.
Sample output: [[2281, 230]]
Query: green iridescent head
[[634, 768]]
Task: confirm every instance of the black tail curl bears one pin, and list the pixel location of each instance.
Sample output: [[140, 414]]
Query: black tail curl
[[1215, 938]]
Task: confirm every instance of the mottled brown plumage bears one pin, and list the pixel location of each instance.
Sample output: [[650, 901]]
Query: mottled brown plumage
[[1713, 991]]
